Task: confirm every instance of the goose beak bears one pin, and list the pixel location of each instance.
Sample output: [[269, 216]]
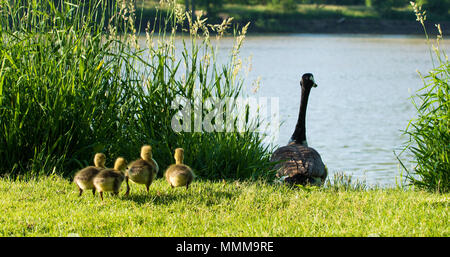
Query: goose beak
[[314, 85]]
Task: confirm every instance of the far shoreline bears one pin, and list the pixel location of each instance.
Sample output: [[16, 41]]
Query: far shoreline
[[358, 26], [335, 25], [351, 27]]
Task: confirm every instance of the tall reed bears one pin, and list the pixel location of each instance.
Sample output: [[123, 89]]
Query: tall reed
[[75, 80], [429, 133]]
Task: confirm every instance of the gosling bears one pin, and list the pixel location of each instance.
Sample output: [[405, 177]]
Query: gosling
[[179, 174], [110, 180], [142, 171], [85, 177]]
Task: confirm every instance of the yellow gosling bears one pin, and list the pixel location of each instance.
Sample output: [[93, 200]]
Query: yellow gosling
[[85, 177], [142, 171], [110, 180], [179, 174]]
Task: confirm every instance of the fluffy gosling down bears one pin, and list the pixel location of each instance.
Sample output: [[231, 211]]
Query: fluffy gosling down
[[179, 174], [85, 177], [142, 171], [110, 180]]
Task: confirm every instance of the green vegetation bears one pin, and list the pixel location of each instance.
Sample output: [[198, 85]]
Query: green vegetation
[[435, 6], [71, 87], [50, 206], [325, 16], [429, 133], [383, 8]]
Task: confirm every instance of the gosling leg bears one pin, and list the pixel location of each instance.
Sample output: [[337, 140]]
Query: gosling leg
[[101, 195], [81, 191], [128, 186], [93, 192]]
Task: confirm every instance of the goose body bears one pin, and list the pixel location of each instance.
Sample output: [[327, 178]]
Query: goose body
[[110, 180], [179, 174], [85, 177], [297, 163], [144, 170]]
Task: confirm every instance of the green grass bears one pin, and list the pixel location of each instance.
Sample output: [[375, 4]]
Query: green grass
[[50, 206]]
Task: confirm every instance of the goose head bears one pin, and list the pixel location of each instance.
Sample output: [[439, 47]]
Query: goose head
[[146, 152], [120, 164], [179, 155], [307, 81], [99, 160]]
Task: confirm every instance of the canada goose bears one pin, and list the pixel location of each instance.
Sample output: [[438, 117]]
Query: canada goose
[[144, 170], [298, 163], [109, 180], [84, 178], [179, 174]]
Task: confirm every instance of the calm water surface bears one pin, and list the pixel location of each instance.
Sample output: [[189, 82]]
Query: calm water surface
[[356, 114]]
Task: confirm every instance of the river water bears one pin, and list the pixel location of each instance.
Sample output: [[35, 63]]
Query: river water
[[356, 115]]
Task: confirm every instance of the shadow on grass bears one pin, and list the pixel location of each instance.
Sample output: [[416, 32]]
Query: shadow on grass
[[152, 197], [208, 198], [435, 204]]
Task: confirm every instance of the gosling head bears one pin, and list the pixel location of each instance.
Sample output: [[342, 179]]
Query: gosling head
[[120, 164], [146, 152], [99, 160], [308, 81], [179, 155]]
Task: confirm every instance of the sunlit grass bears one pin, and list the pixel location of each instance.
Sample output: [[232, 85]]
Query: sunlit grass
[[50, 206]]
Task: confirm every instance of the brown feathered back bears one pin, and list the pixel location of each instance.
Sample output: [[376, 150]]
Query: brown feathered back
[[179, 174], [142, 171], [84, 178], [111, 179], [87, 174], [177, 170], [301, 164]]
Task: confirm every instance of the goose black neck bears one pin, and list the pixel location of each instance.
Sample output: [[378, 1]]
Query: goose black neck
[[299, 136]]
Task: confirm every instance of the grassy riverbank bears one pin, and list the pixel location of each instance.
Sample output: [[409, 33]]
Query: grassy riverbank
[[50, 206]]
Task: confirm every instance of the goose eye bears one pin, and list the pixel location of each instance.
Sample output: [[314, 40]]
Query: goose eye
[[311, 78]]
